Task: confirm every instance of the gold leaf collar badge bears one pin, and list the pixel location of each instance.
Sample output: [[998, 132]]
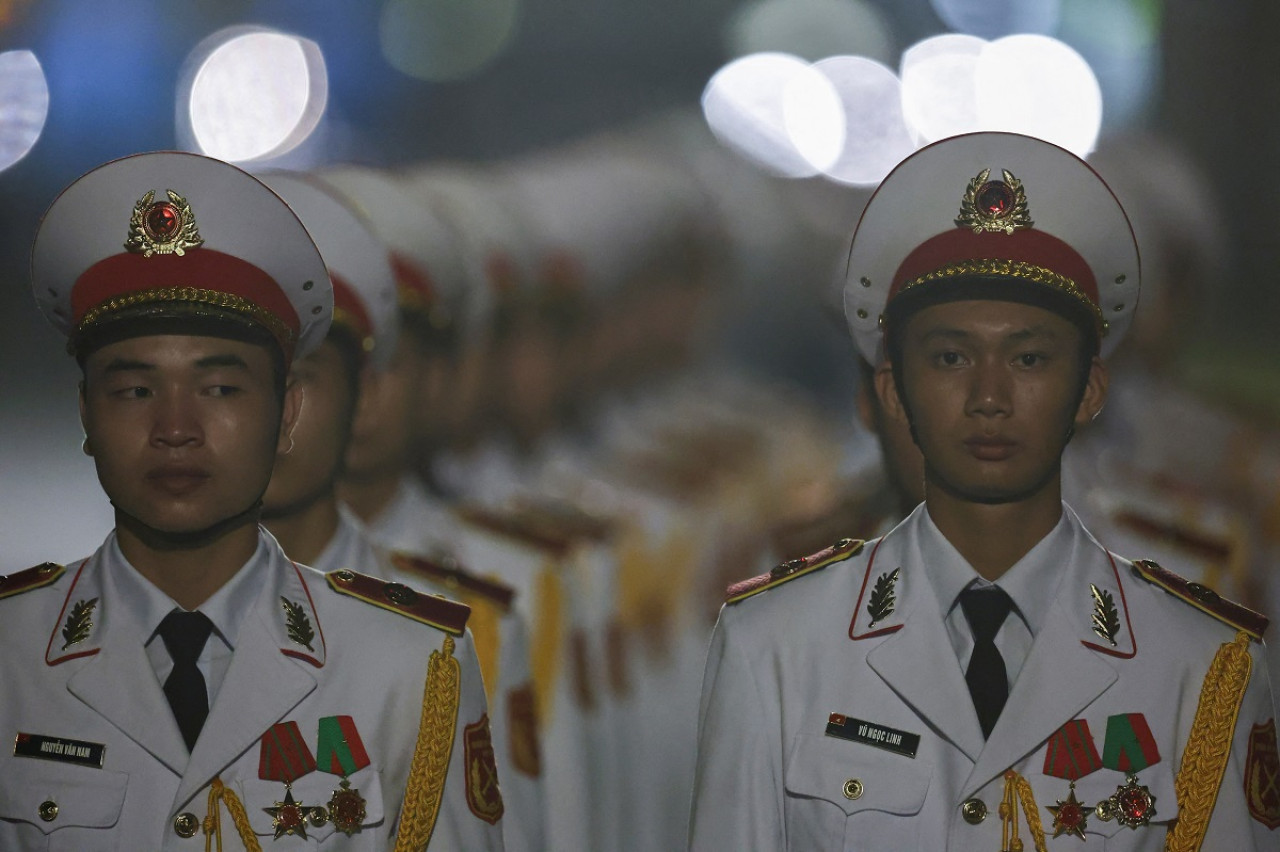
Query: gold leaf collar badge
[[1106, 620], [298, 624], [883, 597], [79, 623]]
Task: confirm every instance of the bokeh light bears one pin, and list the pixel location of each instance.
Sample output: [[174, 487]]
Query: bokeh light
[[253, 94], [876, 137], [939, 95], [777, 111], [439, 40], [996, 18], [24, 105], [810, 29], [1041, 87]]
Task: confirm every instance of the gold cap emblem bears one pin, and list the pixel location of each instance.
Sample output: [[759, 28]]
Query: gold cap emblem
[[162, 227], [994, 206]]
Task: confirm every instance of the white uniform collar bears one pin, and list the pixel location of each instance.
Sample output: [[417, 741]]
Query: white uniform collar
[[350, 548], [1032, 582], [146, 605]]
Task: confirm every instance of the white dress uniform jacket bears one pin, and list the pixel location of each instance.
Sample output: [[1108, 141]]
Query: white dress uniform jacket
[[781, 662], [511, 692], [95, 685]]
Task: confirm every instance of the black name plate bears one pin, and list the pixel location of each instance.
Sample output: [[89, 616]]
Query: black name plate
[[59, 749], [869, 733]]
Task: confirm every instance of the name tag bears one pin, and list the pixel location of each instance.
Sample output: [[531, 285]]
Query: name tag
[[59, 749], [869, 733]]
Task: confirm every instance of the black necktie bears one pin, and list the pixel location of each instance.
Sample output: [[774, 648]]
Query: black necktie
[[985, 609], [184, 635]]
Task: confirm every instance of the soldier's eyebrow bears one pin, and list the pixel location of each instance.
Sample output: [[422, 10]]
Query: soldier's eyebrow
[[222, 360], [126, 365]]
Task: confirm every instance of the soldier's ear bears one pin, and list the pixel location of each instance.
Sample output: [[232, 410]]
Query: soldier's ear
[[887, 391], [1095, 393], [293, 401], [85, 446]]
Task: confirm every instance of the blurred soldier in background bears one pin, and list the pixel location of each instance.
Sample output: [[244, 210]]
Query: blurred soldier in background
[[301, 507]]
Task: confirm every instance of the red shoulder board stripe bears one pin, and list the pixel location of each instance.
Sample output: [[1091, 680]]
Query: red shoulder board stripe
[[453, 576], [515, 526], [449, 616], [1204, 599], [793, 568], [31, 578]]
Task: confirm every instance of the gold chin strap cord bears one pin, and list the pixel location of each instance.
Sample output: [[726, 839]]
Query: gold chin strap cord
[[1209, 746], [219, 793], [422, 795]]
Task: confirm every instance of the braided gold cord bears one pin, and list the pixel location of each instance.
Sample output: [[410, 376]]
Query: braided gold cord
[[431, 752], [1205, 759], [1032, 810], [219, 792]]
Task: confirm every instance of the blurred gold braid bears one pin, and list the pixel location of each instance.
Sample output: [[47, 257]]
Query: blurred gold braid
[[213, 819], [1209, 745], [431, 752]]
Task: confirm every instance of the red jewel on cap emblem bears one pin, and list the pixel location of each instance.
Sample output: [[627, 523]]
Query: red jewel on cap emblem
[[162, 227], [993, 206]]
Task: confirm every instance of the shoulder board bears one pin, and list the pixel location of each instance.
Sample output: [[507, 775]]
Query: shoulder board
[[31, 578], [1203, 598], [793, 568], [517, 526], [451, 575], [442, 613], [562, 519]]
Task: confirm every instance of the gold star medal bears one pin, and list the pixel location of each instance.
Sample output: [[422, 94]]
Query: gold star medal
[[289, 816], [284, 756], [342, 753], [1072, 755], [1069, 817]]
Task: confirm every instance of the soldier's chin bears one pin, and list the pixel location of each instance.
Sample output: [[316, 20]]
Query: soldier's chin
[[175, 533]]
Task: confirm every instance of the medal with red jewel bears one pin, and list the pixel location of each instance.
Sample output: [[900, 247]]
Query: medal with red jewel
[[1071, 755], [284, 756], [1129, 748], [341, 752]]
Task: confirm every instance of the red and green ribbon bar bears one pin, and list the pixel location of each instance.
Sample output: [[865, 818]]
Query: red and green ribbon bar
[[284, 755], [1071, 753], [1129, 747], [339, 746]]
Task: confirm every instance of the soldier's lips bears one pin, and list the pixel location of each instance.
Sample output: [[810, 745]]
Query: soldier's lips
[[990, 448], [177, 480]]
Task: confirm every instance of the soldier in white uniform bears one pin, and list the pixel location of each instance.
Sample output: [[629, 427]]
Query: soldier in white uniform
[[301, 507], [187, 686], [986, 676]]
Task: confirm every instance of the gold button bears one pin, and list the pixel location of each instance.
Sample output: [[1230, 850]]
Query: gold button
[[318, 816], [186, 825], [48, 810], [974, 811], [853, 789]]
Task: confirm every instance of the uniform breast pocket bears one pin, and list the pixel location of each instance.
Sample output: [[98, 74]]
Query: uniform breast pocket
[[842, 795], [331, 813], [56, 807]]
